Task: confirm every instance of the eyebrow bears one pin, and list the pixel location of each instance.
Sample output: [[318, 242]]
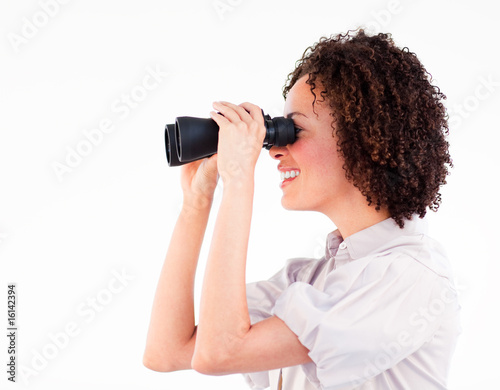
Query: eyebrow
[[295, 113]]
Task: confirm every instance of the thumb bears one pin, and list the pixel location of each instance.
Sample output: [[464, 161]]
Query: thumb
[[210, 166], [212, 162]]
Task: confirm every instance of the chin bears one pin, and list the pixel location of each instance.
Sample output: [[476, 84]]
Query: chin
[[286, 204], [289, 204], [298, 203]]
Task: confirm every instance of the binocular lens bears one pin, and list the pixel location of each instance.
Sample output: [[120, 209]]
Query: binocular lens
[[191, 139], [172, 156]]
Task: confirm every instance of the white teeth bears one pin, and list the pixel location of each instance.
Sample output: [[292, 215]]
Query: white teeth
[[289, 174]]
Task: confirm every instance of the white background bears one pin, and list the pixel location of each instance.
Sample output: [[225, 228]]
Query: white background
[[65, 68]]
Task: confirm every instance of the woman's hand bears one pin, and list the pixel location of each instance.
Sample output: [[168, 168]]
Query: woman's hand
[[241, 135], [198, 182]]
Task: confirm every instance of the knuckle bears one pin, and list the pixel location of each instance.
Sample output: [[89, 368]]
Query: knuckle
[[241, 126], [254, 126]]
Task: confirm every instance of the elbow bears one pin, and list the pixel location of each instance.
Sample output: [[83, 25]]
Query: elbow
[[212, 361], [155, 364], [159, 363], [207, 365], [167, 356]]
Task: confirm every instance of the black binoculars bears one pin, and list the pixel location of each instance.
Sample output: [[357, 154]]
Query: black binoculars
[[190, 139]]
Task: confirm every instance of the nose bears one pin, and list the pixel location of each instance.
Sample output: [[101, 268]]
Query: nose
[[278, 152]]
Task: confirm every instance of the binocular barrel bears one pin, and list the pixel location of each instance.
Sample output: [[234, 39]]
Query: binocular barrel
[[190, 139]]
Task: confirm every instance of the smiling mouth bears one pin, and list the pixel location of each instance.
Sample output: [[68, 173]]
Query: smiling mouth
[[288, 176]]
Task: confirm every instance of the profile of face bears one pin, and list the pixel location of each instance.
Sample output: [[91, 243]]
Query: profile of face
[[318, 181]]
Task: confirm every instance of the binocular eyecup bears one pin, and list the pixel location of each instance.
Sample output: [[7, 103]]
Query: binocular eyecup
[[190, 139]]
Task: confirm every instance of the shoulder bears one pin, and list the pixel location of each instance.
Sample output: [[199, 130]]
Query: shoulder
[[299, 269], [417, 264], [416, 252]]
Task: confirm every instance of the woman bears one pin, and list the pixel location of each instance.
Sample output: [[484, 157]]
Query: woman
[[379, 310]]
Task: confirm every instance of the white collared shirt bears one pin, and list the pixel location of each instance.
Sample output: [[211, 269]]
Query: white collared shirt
[[378, 311]]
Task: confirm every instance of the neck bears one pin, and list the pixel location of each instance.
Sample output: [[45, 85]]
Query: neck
[[353, 215]]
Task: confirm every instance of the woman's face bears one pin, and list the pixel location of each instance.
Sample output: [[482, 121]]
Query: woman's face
[[321, 184]]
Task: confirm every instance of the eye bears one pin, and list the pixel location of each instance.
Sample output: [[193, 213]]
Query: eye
[[297, 130]]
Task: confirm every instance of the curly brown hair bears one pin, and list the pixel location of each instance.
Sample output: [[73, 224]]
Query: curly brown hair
[[388, 117]]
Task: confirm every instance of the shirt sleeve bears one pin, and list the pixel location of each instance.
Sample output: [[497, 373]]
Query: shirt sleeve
[[372, 314], [262, 296]]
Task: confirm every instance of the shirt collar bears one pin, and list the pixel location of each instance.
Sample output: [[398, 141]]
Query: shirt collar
[[368, 240], [333, 241]]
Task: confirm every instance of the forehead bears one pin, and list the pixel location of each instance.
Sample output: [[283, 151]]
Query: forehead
[[299, 98]]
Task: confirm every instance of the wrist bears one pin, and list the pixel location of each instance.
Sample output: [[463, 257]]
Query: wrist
[[239, 189], [243, 183], [197, 204], [236, 175]]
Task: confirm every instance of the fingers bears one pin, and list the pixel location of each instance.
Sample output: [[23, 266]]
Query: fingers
[[224, 114], [232, 112], [219, 118], [254, 111]]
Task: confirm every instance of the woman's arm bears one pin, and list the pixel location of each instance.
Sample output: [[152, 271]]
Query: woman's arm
[[226, 341], [171, 335], [224, 314]]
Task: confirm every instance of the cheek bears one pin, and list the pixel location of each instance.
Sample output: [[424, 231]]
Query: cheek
[[320, 159]]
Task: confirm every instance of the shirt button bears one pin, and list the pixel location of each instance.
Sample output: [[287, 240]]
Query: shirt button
[[342, 245]]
